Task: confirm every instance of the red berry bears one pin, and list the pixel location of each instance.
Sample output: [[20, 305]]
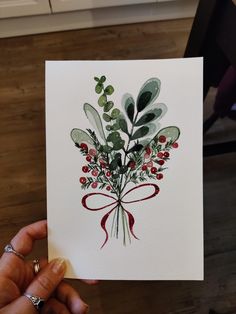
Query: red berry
[[162, 139], [150, 164], [153, 170], [146, 156], [94, 185], [103, 165], [166, 154], [92, 152], [85, 169], [108, 174], [175, 145], [82, 180], [132, 164], [160, 155], [108, 188], [88, 158], [94, 172], [84, 146], [144, 167], [161, 162], [159, 176], [148, 150]]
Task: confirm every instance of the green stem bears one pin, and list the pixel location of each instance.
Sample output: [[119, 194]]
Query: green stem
[[123, 224]]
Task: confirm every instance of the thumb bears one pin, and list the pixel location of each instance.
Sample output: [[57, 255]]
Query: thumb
[[42, 286]]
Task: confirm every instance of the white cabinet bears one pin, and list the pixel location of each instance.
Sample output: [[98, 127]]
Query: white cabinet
[[73, 5], [12, 8]]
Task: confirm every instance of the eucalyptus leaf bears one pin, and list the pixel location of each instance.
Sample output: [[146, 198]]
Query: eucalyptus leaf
[[79, 136], [102, 100], [106, 117], [108, 106], [107, 148], [109, 127], [116, 126], [109, 90], [96, 79], [128, 104], [148, 93], [103, 79], [170, 132], [98, 88], [141, 132], [114, 136], [115, 113], [95, 120], [119, 144]]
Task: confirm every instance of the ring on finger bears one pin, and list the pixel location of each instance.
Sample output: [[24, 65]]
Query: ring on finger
[[36, 266], [9, 249]]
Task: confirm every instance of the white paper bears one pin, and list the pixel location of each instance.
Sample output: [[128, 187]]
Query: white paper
[[169, 226]]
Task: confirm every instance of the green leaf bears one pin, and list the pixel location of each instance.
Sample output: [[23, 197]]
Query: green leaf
[[147, 117], [115, 113], [102, 100], [103, 79], [123, 125], [136, 148], [116, 126], [170, 132], [107, 148], [96, 79], [108, 106], [95, 120], [98, 88], [148, 93], [114, 136], [123, 169], [141, 132], [119, 144], [128, 103], [106, 117], [109, 127], [109, 90], [79, 136], [113, 165]]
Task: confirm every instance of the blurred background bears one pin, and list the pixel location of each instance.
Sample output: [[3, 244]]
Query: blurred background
[[34, 31]]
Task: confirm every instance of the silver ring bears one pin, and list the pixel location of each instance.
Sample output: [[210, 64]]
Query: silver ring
[[37, 302], [9, 249], [36, 266]]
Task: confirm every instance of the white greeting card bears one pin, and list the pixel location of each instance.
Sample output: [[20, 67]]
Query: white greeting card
[[124, 168]]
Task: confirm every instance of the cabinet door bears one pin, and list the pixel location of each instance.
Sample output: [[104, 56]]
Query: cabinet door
[[71, 5], [10, 8]]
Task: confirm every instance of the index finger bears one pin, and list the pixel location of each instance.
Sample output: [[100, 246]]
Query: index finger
[[24, 240]]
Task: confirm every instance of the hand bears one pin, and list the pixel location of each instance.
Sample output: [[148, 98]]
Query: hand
[[17, 277]]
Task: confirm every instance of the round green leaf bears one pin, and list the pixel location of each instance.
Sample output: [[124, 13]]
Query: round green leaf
[[116, 126], [109, 127], [103, 79], [108, 106], [107, 148], [109, 90], [106, 117], [115, 113], [102, 100], [98, 88]]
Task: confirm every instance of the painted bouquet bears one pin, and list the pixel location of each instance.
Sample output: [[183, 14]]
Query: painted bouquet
[[125, 148]]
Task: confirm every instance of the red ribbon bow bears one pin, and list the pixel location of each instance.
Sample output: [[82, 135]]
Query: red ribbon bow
[[116, 202]]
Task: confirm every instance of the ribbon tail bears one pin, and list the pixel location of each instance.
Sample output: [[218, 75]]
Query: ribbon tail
[[103, 225], [131, 223]]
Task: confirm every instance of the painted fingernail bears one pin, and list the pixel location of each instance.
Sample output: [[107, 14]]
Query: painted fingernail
[[58, 266]]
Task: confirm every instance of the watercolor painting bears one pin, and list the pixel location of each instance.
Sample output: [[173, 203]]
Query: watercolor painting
[[125, 150]]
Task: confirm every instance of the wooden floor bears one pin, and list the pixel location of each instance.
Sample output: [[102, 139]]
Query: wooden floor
[[22, 165]]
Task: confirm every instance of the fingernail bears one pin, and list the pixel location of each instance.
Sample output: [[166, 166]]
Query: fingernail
[[58, 265]]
